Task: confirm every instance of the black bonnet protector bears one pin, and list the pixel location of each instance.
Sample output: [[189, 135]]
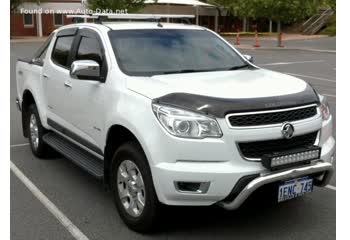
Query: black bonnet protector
[[219, 107]]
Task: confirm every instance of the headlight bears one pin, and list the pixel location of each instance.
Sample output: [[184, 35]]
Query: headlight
[[182, 123], [324, 107]]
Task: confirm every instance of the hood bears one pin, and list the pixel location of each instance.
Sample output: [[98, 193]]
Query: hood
[[229, 84], [225, 91]]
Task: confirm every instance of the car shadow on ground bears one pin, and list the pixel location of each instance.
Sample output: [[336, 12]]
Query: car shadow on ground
[[261, 210]]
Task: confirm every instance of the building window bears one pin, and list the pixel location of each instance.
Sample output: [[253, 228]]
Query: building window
[[28, 20], [58, 19], [79, 20]]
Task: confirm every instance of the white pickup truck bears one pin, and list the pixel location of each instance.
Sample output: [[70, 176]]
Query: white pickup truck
[[172, 114]]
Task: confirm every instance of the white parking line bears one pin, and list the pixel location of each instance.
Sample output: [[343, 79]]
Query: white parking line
[[19, 145], [76, 233], [288, 63], [318, 78], [331, 187]]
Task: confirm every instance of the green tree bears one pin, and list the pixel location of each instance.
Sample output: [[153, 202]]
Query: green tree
[[14, 4], [239, 8], [287, 11], [130, 5], [281, 11], [332, 4]]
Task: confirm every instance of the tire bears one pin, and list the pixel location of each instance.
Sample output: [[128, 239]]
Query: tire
[[35, 133], [126, 158]]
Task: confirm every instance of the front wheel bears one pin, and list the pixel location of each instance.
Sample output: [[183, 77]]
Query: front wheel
[[133, 189]]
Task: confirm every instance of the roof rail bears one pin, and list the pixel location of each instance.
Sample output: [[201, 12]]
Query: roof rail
[[76, 17], [81, 16], [104, 16], [141, 16]]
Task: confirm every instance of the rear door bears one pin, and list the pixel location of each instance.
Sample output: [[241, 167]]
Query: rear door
[[56, 74]]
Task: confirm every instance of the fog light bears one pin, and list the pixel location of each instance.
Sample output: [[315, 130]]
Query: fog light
[[192, 187]]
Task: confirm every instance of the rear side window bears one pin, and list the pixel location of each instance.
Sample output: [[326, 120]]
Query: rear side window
[[41, 52], [61, 50], [89, 49]]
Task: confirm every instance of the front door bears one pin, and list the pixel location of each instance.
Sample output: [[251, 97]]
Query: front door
[[85, 103]]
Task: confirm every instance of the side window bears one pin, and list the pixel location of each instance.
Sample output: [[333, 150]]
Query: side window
[[41, 52], [43, 55], [90, 49], [61, 50]]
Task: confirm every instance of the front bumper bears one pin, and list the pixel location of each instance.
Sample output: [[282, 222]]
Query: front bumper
[[218, 165], [317, 167], [225, 177]]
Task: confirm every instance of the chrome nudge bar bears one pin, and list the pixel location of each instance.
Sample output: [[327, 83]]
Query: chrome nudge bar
[[318, 167]]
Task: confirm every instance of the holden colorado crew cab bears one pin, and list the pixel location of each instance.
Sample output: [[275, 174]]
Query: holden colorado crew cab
[[172, 114]]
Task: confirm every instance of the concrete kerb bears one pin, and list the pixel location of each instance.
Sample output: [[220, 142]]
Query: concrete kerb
[[27, 39]]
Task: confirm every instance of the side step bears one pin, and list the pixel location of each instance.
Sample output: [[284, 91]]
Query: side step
[[77, 155]]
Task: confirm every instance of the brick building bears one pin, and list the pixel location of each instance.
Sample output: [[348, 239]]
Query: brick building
[[40, 20]]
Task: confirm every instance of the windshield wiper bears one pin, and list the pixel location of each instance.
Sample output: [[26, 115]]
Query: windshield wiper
[[204, 70], [239, 67], [188, 71]]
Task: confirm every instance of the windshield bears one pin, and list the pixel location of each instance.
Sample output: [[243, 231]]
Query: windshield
[[164, 51]]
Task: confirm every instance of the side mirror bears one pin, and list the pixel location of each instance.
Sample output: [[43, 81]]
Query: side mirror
[[85, 69], [249, 58]]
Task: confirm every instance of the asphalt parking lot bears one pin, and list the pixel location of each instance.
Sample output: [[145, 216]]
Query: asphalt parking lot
[[83, 200]]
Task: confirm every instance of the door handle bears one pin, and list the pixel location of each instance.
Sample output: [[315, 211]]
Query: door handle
[[67, 84], [45, 76]]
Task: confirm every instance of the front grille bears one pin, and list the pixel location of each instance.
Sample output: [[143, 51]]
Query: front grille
[[260, 148], [267, 118]]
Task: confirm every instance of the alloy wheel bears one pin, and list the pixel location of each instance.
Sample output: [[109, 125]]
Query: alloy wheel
[[131, 188], [34, 131]]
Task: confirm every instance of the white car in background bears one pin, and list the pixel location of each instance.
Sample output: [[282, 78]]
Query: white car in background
[[172, 114]]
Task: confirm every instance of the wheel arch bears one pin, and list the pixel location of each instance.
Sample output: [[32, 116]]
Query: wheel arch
[[116, 136], [27, 100]]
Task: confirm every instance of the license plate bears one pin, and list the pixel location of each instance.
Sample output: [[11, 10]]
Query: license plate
[[294, 188]]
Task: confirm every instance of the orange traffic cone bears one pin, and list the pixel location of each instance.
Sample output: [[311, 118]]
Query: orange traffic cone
[[257, 42], [238, 40]]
